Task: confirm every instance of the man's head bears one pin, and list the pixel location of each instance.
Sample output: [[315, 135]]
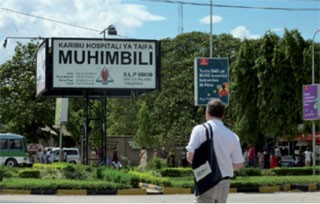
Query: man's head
[[215, 108]]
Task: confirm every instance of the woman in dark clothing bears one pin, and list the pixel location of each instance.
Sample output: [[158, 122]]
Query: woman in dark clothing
[[266, 158]]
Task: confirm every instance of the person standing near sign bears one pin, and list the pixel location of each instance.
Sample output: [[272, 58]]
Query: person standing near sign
[[226, 147]]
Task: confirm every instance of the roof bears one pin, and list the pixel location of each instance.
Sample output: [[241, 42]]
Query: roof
[[10, 136]]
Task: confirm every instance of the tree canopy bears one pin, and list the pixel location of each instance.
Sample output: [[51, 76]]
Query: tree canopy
[[266, 78]]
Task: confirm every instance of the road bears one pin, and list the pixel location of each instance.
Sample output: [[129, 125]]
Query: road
[[281, 197]]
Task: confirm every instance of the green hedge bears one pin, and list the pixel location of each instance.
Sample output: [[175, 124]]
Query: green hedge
[[29, 173], [295, 171], [176, 172], [120, 176], [28, 184], [148, 178], [248, 172]]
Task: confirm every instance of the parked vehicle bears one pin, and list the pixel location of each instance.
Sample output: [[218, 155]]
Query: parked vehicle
[[72, 154], [13, 150]]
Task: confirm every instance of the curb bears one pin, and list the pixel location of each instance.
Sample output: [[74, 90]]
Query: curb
[[166, 190]]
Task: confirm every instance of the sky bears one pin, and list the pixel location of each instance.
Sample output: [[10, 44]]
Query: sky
[[152, 19]]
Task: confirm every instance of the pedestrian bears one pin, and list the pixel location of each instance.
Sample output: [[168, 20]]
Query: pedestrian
[[273, 161], [184, 162], [45, 157], [164, 153], [246, 158], [115, 161], [65, 156], [266, 158], [277, 154], [307, 157], [155, 154], [40, 156], [301, 158], [226, 147], [252, 157], [49, 157], [261, 159], [143, 157], [171, 158]]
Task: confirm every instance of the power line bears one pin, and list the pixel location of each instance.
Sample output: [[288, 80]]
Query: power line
[[233, 6], [48, 19]]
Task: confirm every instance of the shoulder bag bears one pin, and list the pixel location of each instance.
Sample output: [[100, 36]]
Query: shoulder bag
[[205, 165]]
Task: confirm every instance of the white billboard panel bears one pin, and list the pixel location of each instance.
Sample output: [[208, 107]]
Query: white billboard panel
[[104, 64], [41, 68]]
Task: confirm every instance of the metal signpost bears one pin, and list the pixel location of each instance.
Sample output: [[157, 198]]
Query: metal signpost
[[311, 109]]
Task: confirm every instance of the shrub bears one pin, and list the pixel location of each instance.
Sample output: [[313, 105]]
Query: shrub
[[147, 178], [249, 172], [7, 172], [155, 163], [294, 171], [99, 172], [121, 177], [176, 172], [29, 173], [79, 172]]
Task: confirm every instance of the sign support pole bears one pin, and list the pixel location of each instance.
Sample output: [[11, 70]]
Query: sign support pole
[[210, 28], [313, 121]]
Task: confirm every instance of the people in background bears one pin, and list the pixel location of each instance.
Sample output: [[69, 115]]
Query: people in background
[[301, 158], [171, 158], [273, 161], [266, 158], [277, 154], [143, 157], [184, 161], [164, 153], [307, 157], [252, 157], [261, 159], [155, 154], [115, 160], [40, 156]]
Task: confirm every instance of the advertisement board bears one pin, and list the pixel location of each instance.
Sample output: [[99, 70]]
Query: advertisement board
[[41, 67], [311, 103], [211, 80], [104, 64]]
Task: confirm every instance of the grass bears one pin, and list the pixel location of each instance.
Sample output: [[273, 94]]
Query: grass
[[184, 182], [254, 180]]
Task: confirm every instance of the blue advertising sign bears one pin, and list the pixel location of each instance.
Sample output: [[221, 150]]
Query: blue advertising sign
[[311, 103], [211, 80]]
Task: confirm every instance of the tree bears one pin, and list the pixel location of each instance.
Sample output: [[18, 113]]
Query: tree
[[20, 111], [244, 93]]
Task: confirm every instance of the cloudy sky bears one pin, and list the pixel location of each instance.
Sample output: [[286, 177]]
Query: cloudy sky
[[152, 19]]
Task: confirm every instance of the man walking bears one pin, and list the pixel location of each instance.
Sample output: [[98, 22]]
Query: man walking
[[227, 149]]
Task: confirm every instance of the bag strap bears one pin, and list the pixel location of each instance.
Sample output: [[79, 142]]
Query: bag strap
[[209, 133]]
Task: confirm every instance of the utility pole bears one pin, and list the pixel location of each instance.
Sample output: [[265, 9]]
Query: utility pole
[[180, 13], [313, 121], [210, 28]]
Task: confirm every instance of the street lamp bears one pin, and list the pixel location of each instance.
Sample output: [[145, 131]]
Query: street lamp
[[111, 31]]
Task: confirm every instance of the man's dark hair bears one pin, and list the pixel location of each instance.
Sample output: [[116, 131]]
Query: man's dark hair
[[216, 108]]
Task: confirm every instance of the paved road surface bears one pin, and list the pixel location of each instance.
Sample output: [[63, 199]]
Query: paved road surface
[[281, 197]]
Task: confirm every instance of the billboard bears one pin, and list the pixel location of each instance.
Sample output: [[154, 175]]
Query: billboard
[[311, 103], [211, 80], [41, 67], [104, 64]]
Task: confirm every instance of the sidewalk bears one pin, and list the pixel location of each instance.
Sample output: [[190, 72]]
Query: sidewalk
[[280, 197]]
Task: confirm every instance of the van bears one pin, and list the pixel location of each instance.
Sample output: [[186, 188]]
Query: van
[[73, 154]]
